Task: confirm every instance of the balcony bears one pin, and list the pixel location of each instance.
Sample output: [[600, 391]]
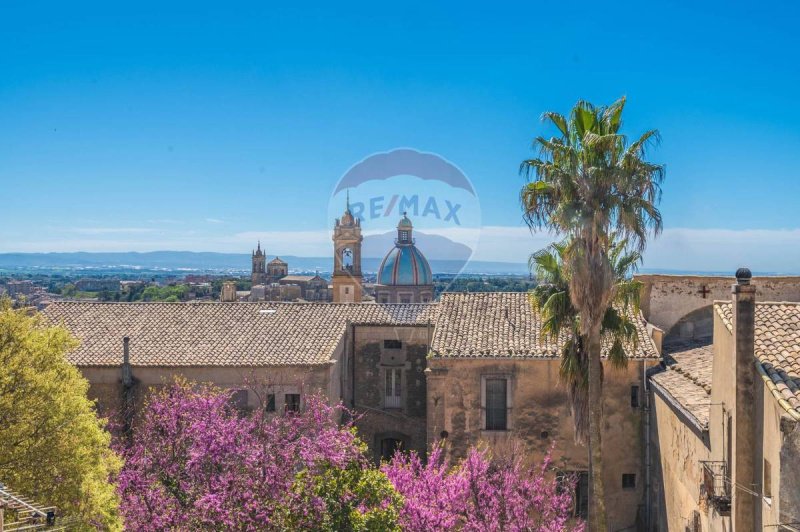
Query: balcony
[[716, 487], [392, 401]]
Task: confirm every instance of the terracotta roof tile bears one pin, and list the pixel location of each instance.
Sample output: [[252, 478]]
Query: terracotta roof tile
[[687, 379], [777, 346], [503, 324], [220, 334]]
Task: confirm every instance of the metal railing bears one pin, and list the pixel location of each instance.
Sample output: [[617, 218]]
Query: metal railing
[[717, 485]]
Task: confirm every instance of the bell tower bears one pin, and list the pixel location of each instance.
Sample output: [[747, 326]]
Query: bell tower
[[259, 274], [347, 258]]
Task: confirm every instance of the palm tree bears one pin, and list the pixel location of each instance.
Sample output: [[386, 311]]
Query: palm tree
[[587, 184], [560, 321]]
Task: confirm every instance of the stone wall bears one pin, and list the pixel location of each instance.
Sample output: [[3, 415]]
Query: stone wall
[[378, 349], [105, 383], [677, 450], [668, 298], [540, 421]]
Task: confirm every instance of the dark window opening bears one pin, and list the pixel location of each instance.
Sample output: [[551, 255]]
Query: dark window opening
[[270, 406], [580, 493], [292, 402], [635, 396], [767, 479], [628, 481], [392, 344], [389, 446], [496, 404]]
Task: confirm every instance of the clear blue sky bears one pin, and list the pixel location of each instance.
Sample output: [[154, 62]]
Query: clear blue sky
[[181, 126]]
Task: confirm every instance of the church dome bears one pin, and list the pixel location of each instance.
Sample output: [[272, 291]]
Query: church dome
[[404, 264]]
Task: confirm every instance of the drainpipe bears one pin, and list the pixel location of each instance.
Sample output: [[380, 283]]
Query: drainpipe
[[646, 414], [352, 366], [127, 387]]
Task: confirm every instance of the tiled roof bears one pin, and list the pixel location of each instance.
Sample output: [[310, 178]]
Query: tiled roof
[[299, 278], [503, 324], [777, 348], [687, 381], [219, 334]]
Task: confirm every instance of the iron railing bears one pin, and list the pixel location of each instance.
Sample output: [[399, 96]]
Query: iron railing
[[717, 485]]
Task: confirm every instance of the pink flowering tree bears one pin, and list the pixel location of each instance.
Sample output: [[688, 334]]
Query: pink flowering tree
[[480, 494], [195, 463]]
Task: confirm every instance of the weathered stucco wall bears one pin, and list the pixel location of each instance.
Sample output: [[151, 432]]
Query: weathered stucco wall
[[540, 420], [378, 420], [106, 383], [678, 448], [668, 298]]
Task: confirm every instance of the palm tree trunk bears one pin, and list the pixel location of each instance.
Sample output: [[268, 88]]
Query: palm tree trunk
[[597, 503]]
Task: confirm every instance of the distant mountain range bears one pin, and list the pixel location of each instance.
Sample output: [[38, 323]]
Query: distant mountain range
[[211, 262]]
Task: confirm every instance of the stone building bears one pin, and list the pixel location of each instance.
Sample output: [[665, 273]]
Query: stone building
[[347, 239], [259, 266], [725, 407], [404, 275], [493, 377], [277, 269], [469, 368]]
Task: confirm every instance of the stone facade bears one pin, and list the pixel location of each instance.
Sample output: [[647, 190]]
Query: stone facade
[[347, 278], [667, 300], [539, 420], [730, 461], [387, 387]]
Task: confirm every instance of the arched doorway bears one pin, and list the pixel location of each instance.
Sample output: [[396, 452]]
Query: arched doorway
[[388, 443]]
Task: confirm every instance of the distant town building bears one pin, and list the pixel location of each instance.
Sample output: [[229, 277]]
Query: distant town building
[[228, 294], [404, 275], [16, 289], [347, 276], [97, 285]]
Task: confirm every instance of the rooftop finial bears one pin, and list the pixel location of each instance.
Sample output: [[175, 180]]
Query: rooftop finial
[[348, 201]]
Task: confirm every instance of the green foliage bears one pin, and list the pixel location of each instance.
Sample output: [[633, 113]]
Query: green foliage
[[53, 447], [355, 499], [560, 318], [165, 293]]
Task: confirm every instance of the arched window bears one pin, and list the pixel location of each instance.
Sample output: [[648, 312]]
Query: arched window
[[389, 446], [347, 259]]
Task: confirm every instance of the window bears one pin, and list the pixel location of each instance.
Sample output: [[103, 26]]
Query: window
[[635, 396], [696, 526], [404, 235], [346, 289], [389, 446], [496, 404], [628, 481], [384, 298], [392, 344], [292, 402], [405, 299], [767, 480], [270, 406], [393, 381], [580, 496]]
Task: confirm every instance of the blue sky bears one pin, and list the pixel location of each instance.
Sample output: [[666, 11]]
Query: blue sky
[[150, 126]]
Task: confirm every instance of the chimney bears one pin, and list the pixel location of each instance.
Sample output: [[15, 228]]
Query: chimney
[[127, 377], [744, 447]]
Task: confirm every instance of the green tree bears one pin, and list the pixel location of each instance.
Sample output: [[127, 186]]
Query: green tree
[[53, 447], [589, 183], [560, 321]]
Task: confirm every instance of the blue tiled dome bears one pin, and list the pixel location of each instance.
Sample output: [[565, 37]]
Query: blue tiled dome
[[405, 265]]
